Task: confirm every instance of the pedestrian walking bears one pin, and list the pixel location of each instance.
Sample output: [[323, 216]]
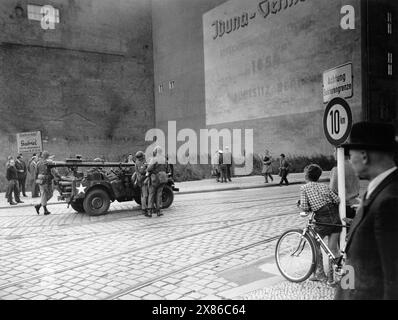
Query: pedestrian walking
[[216, 166], [20, 165], [227, 161], [320, 199], [6, 166], [156, 179], [32, 167], [267, 169], [371, 249], [222, 166], [284, 167], [352, 188], [140, 169], [12, 178], [44, 177]]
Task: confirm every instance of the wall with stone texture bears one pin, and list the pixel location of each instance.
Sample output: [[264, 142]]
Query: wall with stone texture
[[87, 85]]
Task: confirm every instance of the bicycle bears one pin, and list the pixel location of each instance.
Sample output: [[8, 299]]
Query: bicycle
[[296, 248]]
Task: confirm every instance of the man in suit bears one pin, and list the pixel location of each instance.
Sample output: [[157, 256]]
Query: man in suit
[[371, 248]]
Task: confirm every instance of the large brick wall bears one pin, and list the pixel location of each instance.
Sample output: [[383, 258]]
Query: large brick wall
[[87, 85], [307, 46]]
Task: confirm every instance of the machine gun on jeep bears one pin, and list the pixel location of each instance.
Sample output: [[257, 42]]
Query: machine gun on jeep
[[93, 190]]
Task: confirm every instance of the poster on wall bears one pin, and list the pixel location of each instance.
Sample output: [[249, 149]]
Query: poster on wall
[[29, 142], [262, 58]]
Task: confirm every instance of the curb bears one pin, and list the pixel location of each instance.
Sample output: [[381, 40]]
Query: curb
[[187, 192]]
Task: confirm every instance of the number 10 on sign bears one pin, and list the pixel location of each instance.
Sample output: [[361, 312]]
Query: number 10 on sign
[[337, 121]]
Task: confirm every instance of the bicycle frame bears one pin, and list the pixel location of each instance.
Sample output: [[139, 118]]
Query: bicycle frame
[[309, 229]]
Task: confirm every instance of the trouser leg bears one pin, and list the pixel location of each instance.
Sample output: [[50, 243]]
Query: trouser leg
[[16, 191], [229, 172], [22, 183], [144, 197], [9, 191], [159, 192], [44, 195], [151, 196]]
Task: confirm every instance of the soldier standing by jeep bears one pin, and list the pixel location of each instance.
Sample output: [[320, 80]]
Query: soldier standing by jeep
[[140, 169], [44, 177], [157, 178]]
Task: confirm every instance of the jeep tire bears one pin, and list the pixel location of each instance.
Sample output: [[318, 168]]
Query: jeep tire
[[77, 205], [96, 202], [167, 196]]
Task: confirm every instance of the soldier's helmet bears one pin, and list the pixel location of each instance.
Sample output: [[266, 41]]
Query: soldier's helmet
[[139, 155], [45, 155]]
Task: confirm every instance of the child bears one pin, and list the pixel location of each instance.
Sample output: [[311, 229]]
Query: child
[[320, 199]]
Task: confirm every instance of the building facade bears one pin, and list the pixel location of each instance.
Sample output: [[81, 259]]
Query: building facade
[[259, 64], [86, 83]]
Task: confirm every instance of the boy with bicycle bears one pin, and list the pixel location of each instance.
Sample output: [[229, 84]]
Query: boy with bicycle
[[320, 199]]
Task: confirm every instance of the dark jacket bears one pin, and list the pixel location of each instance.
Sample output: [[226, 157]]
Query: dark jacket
[[372, 245], [12, 173], [20, 165]]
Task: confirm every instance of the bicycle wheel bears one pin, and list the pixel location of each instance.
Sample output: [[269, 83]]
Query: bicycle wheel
[[295, 255]]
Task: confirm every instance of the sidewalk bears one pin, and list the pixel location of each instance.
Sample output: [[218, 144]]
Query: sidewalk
[[188, 187]]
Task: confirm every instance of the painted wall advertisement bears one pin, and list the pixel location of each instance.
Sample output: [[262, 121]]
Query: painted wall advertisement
[[29, 142], [266, 58]]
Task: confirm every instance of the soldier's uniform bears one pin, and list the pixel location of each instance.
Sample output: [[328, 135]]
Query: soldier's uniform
[[45, 176], [156, 172], [140, 169]]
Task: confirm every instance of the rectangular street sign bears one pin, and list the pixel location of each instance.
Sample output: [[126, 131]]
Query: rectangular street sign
[[338, 82], [29, 142]]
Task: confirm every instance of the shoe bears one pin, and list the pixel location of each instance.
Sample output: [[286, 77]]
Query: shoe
[[20, 201], [13, 203], [331, 283], [318, 277], [149, 214], [159, 213], [46, 213], [37, 207]]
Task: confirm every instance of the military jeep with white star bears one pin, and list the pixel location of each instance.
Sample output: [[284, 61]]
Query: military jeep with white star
[[91, 186]]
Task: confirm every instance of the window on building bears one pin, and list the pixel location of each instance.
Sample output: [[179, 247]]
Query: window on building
[[389, 22], [160, 88], [35, 13], [389, 63], [171, 85]]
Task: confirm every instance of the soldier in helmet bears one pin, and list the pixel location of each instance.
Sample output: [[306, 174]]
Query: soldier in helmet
[[140, 169], [157, 177], [45, 176]]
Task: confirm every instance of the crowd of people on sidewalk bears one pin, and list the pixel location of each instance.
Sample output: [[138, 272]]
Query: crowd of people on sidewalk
[[16, 174]]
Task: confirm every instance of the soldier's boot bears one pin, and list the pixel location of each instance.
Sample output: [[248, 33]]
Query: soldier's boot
[[37, 207], [159, 213], [46, 212], [145, 212], [149, 213]]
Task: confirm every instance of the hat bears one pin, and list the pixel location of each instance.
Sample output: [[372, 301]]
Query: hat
[[139, 154], [372, 136], [282, 155]]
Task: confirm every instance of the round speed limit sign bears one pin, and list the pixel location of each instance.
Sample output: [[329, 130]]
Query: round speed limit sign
[[337, 121]]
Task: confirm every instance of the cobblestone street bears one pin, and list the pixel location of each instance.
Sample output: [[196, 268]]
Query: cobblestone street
[[221, 248]]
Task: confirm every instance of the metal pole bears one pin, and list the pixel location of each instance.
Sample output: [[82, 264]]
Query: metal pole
[[341, 188]]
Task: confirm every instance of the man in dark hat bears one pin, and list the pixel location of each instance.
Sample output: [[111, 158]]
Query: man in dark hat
[[371, 247]]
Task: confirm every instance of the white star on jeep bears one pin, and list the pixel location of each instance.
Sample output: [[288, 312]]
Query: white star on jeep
[[81, 189]]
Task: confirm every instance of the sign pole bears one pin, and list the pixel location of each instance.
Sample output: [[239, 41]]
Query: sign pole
[[341, 189]]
